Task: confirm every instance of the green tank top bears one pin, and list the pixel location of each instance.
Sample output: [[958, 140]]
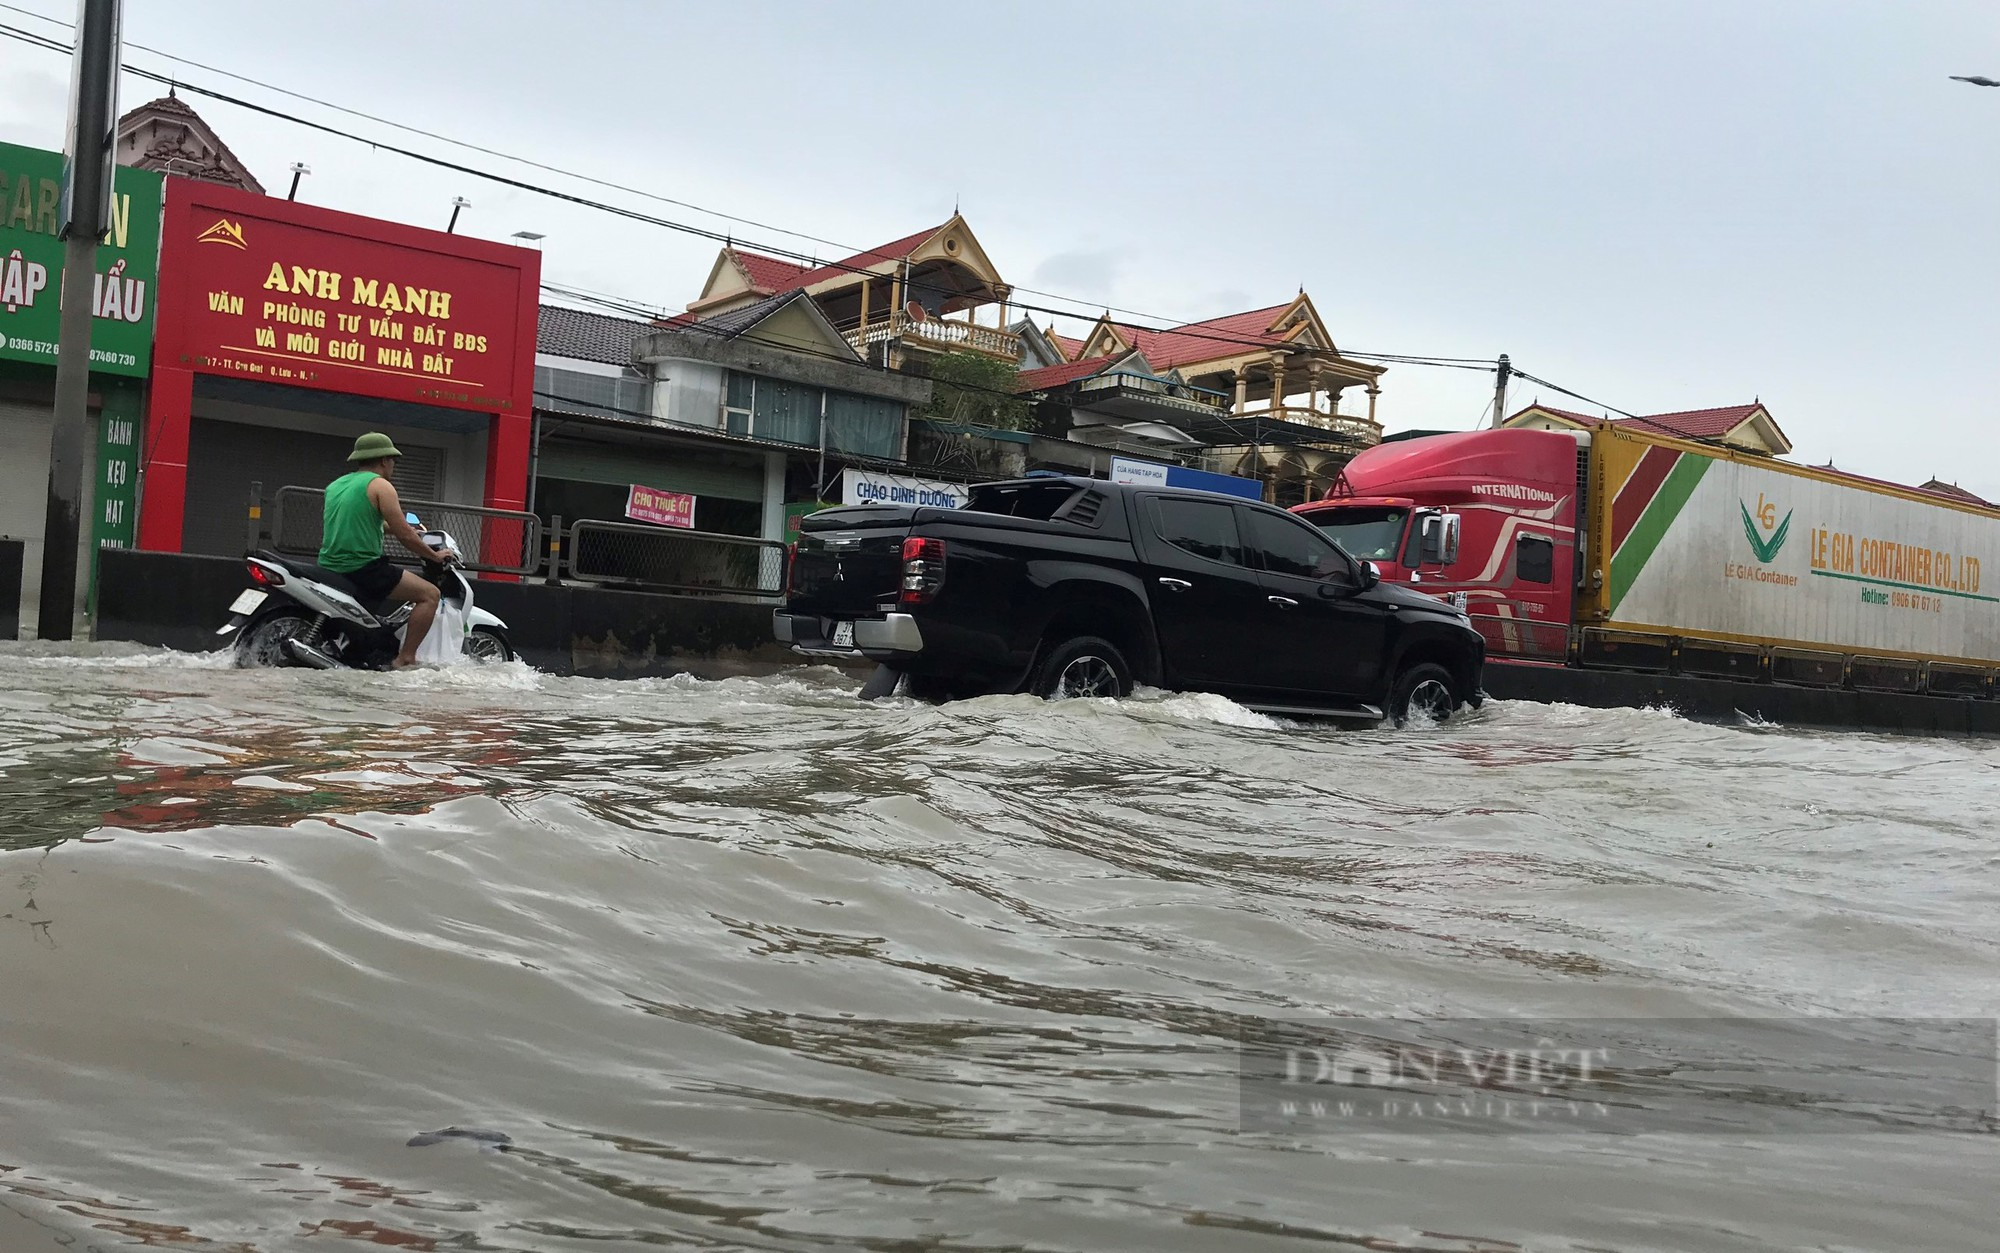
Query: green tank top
[[352, 536]]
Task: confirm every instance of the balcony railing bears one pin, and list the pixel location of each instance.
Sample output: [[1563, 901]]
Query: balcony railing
[[1351, 426], [939, 334], [1208, 401]]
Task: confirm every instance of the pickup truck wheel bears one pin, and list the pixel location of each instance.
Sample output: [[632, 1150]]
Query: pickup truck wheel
[[1084, 666], [1425, 690]]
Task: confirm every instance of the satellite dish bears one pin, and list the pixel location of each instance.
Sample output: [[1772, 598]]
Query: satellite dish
[[915, 312]]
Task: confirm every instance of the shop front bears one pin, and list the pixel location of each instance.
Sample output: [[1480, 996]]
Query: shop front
[[287, 330], [31, 269]]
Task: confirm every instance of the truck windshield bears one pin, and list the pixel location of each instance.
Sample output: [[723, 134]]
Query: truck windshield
[[1366, 534]]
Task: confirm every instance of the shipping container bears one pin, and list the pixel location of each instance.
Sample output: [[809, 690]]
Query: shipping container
[[1617, 549], [1706, 542]]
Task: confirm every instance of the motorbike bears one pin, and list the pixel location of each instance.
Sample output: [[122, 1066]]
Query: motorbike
[[297, 614]]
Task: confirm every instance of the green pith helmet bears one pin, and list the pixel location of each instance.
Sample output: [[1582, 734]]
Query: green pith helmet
[[373, 447]]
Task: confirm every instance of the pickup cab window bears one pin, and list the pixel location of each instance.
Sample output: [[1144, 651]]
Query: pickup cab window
[[1287, 547], [1364, 534], [1198, 527]]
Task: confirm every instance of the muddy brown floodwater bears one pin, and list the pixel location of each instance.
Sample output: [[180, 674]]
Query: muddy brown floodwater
[[748, 964]]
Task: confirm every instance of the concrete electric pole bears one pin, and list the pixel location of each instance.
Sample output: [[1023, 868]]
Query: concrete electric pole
[[1500, 376], [86, 216]]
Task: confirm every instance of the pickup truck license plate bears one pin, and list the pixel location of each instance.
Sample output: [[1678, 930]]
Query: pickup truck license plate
[[843, 635], [247, 602]]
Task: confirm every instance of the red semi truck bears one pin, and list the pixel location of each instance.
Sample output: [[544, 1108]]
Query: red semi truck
[[1614, 566]]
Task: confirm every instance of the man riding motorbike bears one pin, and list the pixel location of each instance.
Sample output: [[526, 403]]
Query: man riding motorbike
[[361, 506]]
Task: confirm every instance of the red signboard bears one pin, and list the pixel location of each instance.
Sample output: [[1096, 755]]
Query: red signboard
[[279, 292], [647, 504], [267, 289]]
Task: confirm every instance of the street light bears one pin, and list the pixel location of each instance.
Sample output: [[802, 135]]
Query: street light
[[457, 203], [1977, 80], [299, 170]]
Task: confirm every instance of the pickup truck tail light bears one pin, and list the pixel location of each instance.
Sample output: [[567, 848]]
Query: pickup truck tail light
[[791, 564], [923, 570]]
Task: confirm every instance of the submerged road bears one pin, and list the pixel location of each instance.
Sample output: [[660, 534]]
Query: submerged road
[[484, 959]]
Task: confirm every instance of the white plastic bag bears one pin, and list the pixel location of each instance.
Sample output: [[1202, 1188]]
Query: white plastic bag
[[445, 644]]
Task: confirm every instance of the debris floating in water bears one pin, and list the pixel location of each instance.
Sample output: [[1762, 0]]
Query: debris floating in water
[[489, 1140]]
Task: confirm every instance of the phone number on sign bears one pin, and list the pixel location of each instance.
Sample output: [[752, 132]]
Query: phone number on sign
[[43, 348]]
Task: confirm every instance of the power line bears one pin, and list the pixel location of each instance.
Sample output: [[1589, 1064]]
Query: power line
[[1184, 328], [1580, 396]]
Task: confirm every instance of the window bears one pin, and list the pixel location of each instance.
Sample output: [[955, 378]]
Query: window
[[1198, 527], [867, 425], [740, 399], [1287, 547], [1040, 501], [1365, 534], [786, 412], [605, 395], [1535, 559]]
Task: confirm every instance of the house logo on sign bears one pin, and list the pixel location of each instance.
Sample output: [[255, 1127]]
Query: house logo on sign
[[224, 232]]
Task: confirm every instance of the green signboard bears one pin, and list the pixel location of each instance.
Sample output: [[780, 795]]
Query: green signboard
[[31, 263], [116, 507]]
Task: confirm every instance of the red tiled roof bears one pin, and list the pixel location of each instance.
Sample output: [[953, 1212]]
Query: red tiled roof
[[176, 107], [895, 250], [1202, 341], [165, 104], [1695, 423], [1687, 424], [768, 274], [1049, 376], [1944, 491], [1070, 347], [772, 276], [1571, 414], [1939, 487]]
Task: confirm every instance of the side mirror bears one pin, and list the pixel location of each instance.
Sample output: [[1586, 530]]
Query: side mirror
[[411, 518], [1371, 574], [1439, 543]]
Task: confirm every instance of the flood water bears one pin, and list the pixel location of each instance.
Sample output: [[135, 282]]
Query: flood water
[[750, 965]]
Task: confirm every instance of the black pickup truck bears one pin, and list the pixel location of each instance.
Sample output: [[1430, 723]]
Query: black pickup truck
[[1079, 587]]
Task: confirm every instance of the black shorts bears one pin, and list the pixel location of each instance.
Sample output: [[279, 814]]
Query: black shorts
[[376, 579]]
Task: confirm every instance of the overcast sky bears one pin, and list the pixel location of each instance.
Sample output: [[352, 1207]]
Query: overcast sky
[[1662, 206]]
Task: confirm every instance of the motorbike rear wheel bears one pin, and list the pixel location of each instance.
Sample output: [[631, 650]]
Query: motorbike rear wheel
[[262, 643], [485, 646]]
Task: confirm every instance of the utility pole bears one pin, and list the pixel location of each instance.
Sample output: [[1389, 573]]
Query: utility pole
[[1500, 377], [86, 216]]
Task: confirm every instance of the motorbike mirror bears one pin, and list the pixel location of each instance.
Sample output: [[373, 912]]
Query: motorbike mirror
[[411, 518]]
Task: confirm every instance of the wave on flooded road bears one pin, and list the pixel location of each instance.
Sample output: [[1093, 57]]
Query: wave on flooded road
[[486, 959]]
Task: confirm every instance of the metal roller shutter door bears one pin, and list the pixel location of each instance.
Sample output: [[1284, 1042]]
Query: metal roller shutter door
[[24, 490], [225, 458]]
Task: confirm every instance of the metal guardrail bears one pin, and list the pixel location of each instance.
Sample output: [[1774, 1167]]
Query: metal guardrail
[[671, 559], [1523, 637], [498, 541]]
